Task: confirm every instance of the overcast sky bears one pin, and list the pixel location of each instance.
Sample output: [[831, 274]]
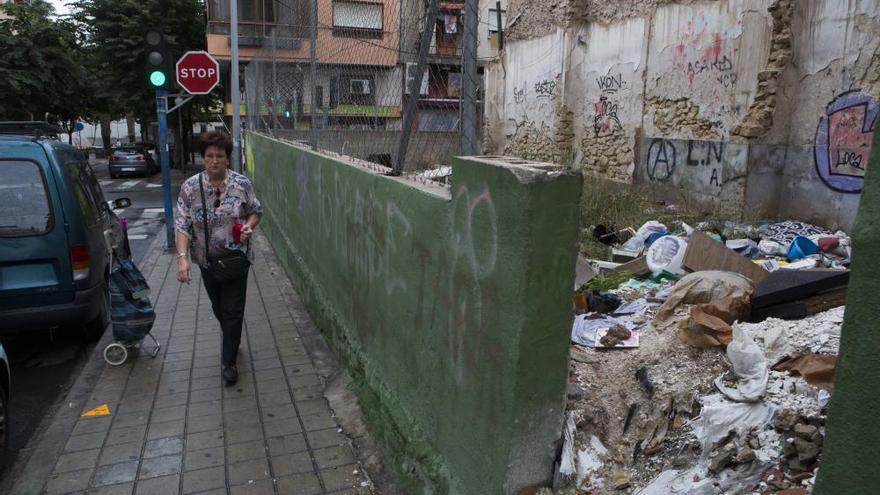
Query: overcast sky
[[60, 8]]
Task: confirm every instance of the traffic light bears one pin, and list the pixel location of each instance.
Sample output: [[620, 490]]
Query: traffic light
[[157, 61]]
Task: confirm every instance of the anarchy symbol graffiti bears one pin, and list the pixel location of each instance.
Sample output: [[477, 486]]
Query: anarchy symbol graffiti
[[661, 160]]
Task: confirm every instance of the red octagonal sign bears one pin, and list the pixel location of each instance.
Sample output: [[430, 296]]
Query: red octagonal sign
[[198, 72]]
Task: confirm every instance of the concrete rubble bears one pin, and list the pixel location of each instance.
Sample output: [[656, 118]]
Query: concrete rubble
[[740, 412]]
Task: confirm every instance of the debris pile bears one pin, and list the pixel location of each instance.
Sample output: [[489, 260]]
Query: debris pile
[[704, 364]]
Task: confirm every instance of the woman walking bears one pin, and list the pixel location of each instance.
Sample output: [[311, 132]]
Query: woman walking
[[217, 212]]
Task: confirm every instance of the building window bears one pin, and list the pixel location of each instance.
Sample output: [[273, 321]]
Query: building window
[[493, 21], [357, 19], [257, 10]]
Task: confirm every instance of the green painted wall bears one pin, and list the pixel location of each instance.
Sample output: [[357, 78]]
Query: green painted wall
[[451, 311], [849, 461]]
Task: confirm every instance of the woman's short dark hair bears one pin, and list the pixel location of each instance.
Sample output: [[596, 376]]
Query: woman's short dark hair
[[215, 138]]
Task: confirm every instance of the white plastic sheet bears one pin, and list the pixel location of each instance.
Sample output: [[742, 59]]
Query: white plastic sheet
[[636, 307], [566, 464], [589, 462], [719, 416], [739, 481], [749, 366]]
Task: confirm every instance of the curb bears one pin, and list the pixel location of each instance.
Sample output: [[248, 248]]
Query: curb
[[54, 431]]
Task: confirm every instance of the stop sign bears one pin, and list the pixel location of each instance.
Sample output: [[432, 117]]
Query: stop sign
[[198, 72]]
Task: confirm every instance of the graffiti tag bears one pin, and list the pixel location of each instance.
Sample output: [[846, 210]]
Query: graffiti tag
[[610, 83], [661, 160], [606, 116], [545, 89], [519, 95], [843, 140]]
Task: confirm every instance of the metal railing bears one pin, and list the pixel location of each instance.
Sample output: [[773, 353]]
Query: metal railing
[[364, 96]]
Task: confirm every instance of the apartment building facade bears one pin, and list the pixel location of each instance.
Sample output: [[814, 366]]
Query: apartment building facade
[[366, 55], [357, 83], [440, 89]]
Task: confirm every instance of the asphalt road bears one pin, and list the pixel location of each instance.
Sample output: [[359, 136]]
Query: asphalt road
[[45, 364]]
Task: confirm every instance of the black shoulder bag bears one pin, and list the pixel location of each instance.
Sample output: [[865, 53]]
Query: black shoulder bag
[[233, 266]]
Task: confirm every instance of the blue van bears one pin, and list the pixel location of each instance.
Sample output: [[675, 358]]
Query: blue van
[[57, 236]]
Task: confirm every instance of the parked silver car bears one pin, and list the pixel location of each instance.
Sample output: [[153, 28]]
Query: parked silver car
[[132, 161]]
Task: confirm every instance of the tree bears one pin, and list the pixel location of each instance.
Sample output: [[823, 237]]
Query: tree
[[113, 33], [40, 73]]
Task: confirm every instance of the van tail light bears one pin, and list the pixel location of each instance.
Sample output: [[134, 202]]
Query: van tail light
[[139, 158], [80, 261]]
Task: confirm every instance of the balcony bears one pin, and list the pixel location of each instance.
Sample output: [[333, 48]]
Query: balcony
[[258, 30], [260, 18]]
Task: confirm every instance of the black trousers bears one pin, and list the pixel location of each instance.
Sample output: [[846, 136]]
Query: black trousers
[[227, 302]]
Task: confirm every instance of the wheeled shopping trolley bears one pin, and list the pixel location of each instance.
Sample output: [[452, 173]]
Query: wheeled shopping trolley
[[132, 314]]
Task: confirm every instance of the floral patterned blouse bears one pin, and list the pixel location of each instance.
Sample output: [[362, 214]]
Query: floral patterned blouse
[[237, 202]]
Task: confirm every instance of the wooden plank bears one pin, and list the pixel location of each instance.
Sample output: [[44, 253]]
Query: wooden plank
[[638, 267], [704, 253]]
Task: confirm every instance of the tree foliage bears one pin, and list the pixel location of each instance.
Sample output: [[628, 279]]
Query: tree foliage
[[112, 35], [40, 71]]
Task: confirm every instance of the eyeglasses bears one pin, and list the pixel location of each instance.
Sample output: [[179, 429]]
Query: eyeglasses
[[216, 198], [213, 156]]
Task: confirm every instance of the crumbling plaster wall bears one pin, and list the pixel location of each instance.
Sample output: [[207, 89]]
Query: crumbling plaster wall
[[828, 102], [756, 72]]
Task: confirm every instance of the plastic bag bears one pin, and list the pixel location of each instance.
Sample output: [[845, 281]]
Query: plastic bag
[[651, 227], [749, 366], [666, 254]]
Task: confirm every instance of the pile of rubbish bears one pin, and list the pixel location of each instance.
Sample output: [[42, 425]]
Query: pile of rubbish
[[702, 360]]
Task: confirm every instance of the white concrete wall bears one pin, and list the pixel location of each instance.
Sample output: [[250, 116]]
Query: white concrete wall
[[766, 73], [485, 50], [91, 134]]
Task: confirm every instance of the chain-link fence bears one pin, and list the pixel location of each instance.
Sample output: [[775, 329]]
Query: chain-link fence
[[386, 82]]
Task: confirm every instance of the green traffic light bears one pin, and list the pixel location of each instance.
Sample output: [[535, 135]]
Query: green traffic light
[[287, 114], [157, 78]]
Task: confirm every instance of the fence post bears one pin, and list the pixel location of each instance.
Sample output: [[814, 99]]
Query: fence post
[[313, 73], [274, 112], [469, 80], [415, 88]]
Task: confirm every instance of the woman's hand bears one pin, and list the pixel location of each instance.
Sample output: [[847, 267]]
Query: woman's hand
[[246, 233], [184, 274]]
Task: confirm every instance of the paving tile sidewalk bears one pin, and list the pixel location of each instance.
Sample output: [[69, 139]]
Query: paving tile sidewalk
[[175, 428]]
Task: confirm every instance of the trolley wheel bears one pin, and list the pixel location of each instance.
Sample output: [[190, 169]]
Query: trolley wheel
[[115, 354]]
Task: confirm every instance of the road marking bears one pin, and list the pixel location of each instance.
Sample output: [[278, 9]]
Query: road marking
[[154, 185], [137, 237], [102, 410], [154, 210], [105, 183], [128, 184]]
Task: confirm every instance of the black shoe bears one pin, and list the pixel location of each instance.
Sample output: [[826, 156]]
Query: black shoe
[[230, 374]]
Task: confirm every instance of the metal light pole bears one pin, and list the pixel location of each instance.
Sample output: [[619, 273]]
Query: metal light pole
[[236, 93], [161, 113]]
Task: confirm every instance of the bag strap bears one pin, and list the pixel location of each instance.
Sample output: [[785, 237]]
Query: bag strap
[[205, 218]]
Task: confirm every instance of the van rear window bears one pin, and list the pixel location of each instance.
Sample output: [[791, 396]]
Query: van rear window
[[25, 209]]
